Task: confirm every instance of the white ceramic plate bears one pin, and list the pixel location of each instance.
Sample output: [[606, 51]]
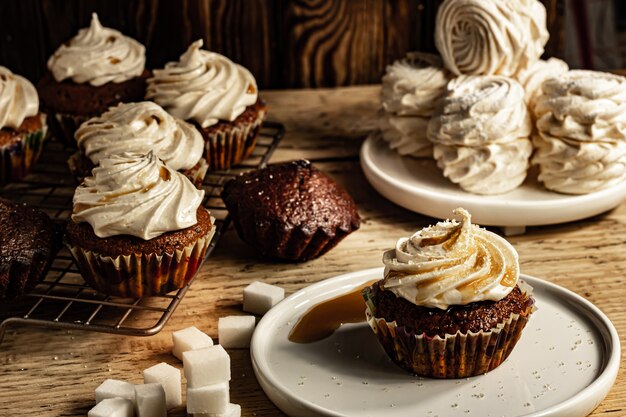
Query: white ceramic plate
[[418, 185], [564, 364]]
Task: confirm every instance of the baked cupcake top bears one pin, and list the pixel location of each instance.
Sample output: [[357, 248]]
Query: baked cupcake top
[[136, 195], [532, 77], [451, 263], [18, 99], [413, 85], [478, 110], [490, 37], [98, 55], [203, 86], [141, 128]]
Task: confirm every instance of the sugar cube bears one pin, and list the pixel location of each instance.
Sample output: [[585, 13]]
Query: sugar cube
[[169, 377], [233, 410], [206, 366], [150, 400], [259, 297], [112, 407], [189, 339], [213, 399], [112, 388], [235, 331]]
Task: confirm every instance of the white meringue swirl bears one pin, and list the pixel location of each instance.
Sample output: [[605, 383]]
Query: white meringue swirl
[[533, 77], [203, 86], [98, 55], [136, 195], [18, 99], [451, 263], [490, 37], [413, 85], [141, 128], [407, 135]]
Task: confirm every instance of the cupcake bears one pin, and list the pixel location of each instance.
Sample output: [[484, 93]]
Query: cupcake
[[218, 96], [22, 127], [140, 128], [28, 243], [138, 227], [93, 71], [450, 304], [580, 140], [481, 134], [410, 92], [477, 37], [290, 211]]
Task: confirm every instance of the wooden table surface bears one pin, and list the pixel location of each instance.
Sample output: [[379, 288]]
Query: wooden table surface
[[47, 372]]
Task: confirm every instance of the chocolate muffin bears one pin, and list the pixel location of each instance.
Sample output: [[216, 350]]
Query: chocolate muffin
[[28, 243], [290, 211]]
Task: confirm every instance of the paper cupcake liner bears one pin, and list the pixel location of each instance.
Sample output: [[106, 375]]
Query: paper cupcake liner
[[453, 356], [140, 275], [17, 158], [63, 126], [226, 148]]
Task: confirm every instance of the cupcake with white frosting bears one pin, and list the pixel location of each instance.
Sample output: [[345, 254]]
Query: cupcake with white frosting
[[138, 227], [96, 69], [481, 134], [486, 37], [581, 132], [22, 127], [140, 128], [217, 95], [452, 288], [411, 89]]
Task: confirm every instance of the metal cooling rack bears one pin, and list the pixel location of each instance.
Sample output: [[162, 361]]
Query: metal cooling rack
[[63, 300]]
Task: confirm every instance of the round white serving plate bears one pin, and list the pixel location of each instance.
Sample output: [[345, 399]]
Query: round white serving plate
[[418, 185], [564, 364]]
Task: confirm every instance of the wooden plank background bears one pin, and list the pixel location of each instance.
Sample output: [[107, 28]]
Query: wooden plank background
[[285, 43]]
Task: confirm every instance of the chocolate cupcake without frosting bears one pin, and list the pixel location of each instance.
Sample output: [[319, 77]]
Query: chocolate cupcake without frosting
[[290, 211]]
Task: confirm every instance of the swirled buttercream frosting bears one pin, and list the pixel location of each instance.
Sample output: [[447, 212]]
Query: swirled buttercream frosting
[[413, 85], [18, 99], [136, 195], [407, 135], [490, 37], [451, 263], [533, 77], [203, 86], [98, 55], [479, 110], [141, 128]]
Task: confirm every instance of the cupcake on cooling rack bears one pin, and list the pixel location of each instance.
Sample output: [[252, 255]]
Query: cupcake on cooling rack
[[22, 127], [580, 140], [290, 211], [96, 69], [138, 227], [451, 304], [217, 95], [410, 92], [481, 134], [140, 128]]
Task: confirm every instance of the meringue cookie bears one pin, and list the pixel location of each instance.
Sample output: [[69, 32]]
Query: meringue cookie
[[533, 77], [490, 36], [407, 135]]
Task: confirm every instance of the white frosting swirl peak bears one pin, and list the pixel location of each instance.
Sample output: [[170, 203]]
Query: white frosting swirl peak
[[141, 128], [451, 263], [136, 195], [98, 55], [203, 86], [18, 99]]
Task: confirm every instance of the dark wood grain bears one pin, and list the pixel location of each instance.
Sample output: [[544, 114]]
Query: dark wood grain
[[285, 43]]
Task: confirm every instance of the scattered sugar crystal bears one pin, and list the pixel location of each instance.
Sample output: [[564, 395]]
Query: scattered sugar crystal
[[236, 331], [150, 400], [206, 366], [113, 388], [169, 377], [190, 338], [112, 407], [208, 399], [233, 410], [259, 297]]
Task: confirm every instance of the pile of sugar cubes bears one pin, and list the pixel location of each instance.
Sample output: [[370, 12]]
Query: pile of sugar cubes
[[206, 367]]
